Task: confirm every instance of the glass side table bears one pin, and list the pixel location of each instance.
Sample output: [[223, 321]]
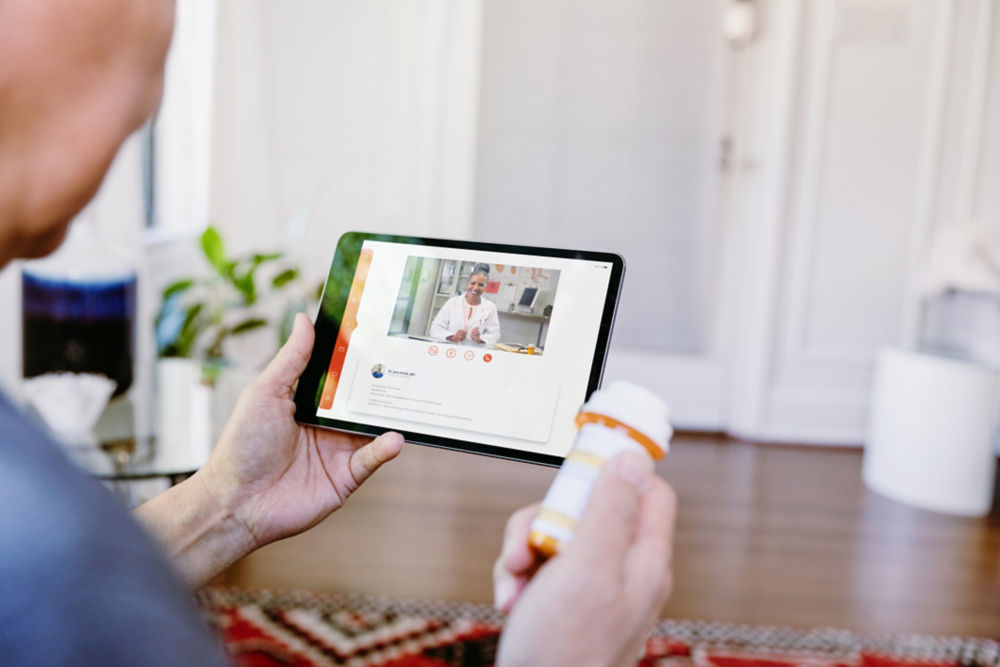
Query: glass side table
[[137, 470], [139, 447], [134, 465]]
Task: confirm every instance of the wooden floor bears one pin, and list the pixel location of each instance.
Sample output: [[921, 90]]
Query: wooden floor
[[766, 534]]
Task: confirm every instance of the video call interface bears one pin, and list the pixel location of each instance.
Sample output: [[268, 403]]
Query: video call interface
[[487, 347]]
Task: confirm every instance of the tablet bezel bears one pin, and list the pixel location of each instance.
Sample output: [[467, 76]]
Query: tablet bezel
[[334, 300]]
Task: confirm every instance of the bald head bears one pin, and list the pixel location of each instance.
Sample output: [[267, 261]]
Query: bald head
[[76, 78]]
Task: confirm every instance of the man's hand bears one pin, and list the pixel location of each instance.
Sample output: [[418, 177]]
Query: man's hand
[[281, 478], [458, 336], [268, 477], [594, 603], [474, 335]]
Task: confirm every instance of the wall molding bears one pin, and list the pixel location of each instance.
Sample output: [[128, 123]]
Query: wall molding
[[770, 75], [184, 125], [929, 170], [799, 278], [456, 124], [975, 112]]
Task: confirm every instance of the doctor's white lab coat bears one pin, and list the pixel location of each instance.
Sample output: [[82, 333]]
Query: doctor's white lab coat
[[455, 315]]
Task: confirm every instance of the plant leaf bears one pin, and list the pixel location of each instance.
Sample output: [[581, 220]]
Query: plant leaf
[[285, 277], [190, 330], [167, 326], [215, 251], [210, 371], [248, 325], [176, 288], [260, 258], [192, 314], [319, 388], [288, 319], [247, 288]]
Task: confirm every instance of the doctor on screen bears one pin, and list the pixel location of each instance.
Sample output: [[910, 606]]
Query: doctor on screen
[[469, 317]]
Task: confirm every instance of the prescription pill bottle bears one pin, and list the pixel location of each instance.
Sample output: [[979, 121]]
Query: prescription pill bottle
[[620, 417]]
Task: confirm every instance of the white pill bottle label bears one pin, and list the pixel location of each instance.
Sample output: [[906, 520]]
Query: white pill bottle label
[[620, 417]]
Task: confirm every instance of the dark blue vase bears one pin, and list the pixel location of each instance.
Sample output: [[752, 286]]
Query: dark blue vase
[[78, 311], [78, 327]]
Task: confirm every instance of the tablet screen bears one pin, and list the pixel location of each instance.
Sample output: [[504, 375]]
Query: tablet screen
[[479, 347]]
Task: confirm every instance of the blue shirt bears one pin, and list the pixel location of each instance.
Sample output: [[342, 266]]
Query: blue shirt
[[80, 582]]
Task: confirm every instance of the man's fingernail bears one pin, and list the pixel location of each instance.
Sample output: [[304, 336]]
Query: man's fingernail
[[634, 469]]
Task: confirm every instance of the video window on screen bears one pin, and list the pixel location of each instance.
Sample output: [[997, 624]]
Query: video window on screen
[[500, 306]]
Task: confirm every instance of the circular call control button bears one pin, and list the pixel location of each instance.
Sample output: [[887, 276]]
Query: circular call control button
[[470, 355], [487, 357], [432, 350], [451, 352]]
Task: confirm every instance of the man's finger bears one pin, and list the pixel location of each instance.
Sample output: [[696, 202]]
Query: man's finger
[[647, 565], [516, 556], [507, 587], [367, 459], [291, 360], [516, 562], [610, 519]]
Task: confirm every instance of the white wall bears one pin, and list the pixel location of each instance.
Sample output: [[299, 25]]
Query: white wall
[[184, 124], [886, 125], [858, 128], [343, 115], [599, 129]]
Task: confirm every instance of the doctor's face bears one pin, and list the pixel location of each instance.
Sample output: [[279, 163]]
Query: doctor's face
[[476, 285]]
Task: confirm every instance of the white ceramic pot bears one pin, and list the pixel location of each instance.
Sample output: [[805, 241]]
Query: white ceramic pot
[[183, 412], [930, 436], [190, 412]]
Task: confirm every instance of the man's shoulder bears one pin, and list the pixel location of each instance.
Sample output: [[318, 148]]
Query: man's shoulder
[[50, 498], [58, 521], [78, 577]]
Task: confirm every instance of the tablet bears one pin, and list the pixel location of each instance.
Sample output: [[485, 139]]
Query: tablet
[[478, 347]]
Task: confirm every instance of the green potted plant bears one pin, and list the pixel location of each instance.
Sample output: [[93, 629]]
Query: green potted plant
[[198, 315], [199, 320]]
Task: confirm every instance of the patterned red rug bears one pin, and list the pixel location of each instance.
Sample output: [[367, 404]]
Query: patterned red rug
[[262, 628]]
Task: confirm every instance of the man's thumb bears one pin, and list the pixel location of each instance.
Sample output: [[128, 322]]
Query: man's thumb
[[291, 359]]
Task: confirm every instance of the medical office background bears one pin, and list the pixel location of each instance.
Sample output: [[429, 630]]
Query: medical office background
[[524, 297], [782, 194]]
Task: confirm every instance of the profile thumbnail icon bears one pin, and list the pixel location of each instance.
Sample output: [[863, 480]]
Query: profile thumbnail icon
[[378, 370]]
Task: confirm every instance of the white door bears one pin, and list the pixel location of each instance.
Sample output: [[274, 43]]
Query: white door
[[600, 127]]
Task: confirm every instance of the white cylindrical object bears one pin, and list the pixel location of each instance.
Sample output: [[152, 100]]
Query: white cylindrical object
[[930, 434], [183, 412], [621, 417]]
